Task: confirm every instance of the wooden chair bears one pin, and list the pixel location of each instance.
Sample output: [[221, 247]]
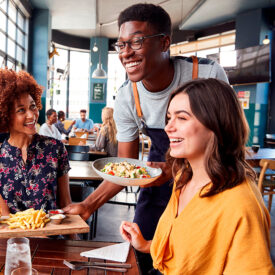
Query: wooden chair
[[80, 134], [145, 145], [76, 141], [266, 181], [269, 141], [67, 123]]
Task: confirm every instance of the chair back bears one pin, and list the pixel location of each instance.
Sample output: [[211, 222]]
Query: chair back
[[67, 123], [76, 141], [266, 164], [78, 156], [80, 134], [269, 141], [77, 148]]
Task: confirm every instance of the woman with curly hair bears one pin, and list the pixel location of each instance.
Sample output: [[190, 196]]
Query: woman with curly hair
[[216, 221], [33, 168], [106, 139]]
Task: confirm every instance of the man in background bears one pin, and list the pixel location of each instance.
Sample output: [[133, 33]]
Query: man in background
[[84, 124]]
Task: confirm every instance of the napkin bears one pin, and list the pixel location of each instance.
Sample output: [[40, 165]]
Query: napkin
[[84, 136], [116, 252]]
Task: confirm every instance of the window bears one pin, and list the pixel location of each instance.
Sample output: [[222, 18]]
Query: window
[[13, 35], [3, 5], [69, 82], [79, 82], [205, 46], [116, 77]]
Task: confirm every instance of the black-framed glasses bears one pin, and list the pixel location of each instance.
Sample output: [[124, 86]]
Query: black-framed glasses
[[134, 43]]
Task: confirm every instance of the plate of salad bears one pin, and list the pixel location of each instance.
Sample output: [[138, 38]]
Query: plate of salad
[[126, 171]]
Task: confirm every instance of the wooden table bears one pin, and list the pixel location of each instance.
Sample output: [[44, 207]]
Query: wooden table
[[263, 153], [94, 155], [48, 256], [82, 170]]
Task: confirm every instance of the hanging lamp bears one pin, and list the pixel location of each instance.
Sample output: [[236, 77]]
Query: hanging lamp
[[99, 71], [266, 40], [95, 47]]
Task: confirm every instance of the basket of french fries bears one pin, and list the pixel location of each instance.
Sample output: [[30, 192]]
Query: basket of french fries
[[28, 219]]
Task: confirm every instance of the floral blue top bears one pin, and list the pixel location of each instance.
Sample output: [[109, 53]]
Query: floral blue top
[[32, 184]]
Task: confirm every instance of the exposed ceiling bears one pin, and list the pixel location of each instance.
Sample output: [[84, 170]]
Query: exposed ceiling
[[83, 17]]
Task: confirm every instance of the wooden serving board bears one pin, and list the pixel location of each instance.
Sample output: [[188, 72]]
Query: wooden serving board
[[71, 224]]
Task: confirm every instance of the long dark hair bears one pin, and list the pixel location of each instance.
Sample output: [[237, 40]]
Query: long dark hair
[[215, 104]]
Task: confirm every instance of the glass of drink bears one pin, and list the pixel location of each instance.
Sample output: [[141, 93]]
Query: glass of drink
[[24, 271], [17, 254]]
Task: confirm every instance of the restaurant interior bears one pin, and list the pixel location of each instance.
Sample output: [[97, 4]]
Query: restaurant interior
[[61, 42], [67, 46]]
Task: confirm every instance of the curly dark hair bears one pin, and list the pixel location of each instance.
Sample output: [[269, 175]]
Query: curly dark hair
[[12, 86], [215, 104], [154, 15]]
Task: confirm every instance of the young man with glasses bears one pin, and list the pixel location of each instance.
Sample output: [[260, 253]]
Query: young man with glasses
[[143, 47]]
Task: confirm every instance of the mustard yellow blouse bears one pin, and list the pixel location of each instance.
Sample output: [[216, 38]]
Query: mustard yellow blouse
[[227, 233]]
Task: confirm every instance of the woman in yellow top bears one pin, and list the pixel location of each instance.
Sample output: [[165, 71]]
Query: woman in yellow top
[[215, 221]]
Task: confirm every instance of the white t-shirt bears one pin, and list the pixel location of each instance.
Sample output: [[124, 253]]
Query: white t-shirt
[[52, 131], [154, 104]]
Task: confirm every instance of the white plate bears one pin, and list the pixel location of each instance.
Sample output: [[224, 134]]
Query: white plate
[[100, 163]]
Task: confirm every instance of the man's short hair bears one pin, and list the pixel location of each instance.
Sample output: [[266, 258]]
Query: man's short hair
[[154, 15], [50, 112], [83, 111]]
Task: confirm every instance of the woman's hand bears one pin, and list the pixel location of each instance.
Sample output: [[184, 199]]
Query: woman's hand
[[130, 232]]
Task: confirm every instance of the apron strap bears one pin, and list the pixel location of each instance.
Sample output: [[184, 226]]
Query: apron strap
[[139, 111], [195, 73]]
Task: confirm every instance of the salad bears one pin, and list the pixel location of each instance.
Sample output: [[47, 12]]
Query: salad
[[125, 170]]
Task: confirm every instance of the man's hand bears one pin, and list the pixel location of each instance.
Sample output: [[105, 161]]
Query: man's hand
[[165, 176], [78, 209]]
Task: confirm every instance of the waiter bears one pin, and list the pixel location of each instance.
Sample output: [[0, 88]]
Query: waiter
[[143, 48]]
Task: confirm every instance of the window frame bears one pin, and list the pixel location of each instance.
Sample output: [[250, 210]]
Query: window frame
[[18, 62]]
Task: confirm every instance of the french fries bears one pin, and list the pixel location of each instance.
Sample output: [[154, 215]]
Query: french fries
[[28, 219]]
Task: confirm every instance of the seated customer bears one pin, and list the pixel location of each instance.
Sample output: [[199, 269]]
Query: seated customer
[[33, 168], [106, 139], [84, 124], [60, 126], [48, 129], [216, 221]]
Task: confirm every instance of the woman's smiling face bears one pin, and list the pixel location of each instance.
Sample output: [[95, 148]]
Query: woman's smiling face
[[24, 116], [188, 136]]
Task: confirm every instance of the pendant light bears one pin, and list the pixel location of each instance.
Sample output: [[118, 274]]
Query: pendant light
[[95, 48], [266, 40], [99, 71]]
